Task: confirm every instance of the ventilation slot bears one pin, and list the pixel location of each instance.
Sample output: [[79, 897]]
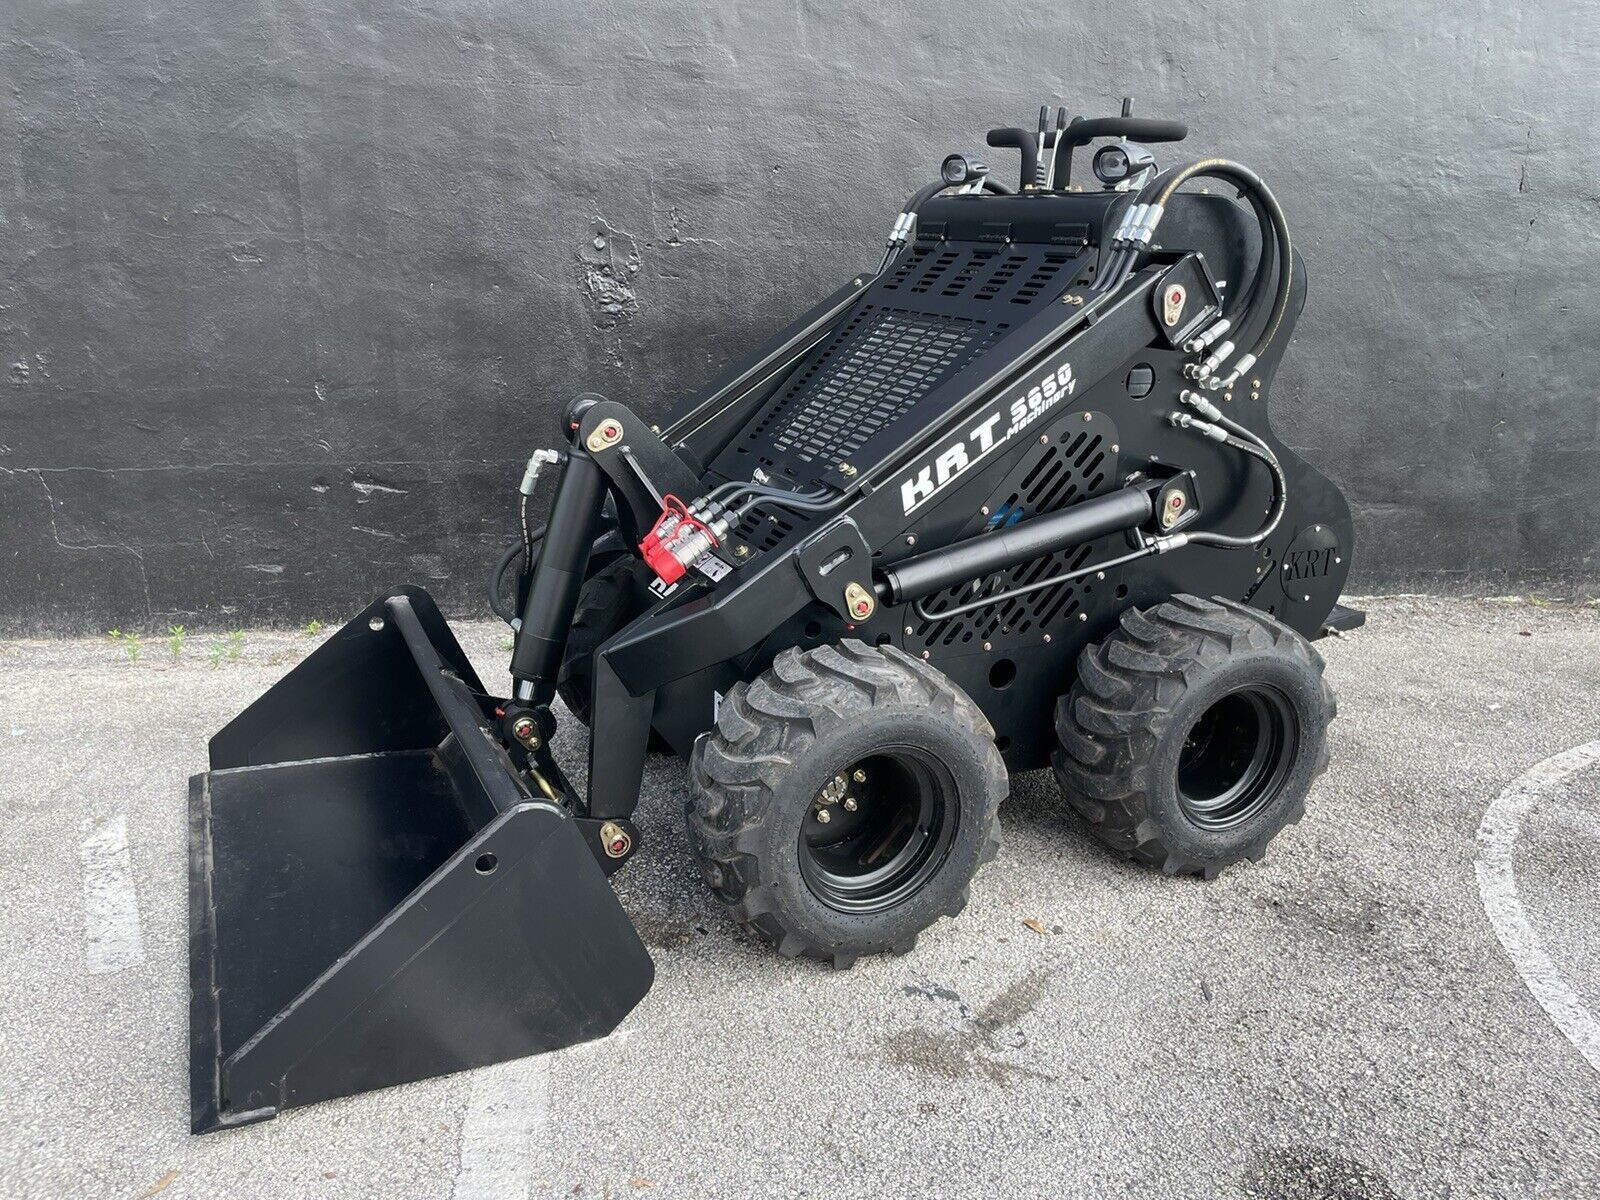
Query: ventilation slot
[[763, 530], [962, 280], [1036, 282], [1069, 470], [882, 364], [1002, 276]]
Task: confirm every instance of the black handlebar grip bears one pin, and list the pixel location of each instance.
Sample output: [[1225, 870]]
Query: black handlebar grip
[[1019, 139], [1138, 129]]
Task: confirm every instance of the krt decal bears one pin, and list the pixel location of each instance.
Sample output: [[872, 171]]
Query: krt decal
[[1308, 564], [988, 435]]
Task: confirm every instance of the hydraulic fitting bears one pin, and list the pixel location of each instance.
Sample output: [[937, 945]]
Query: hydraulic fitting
[[1210, 365], [538, 460], [1147, 224], [901, 232], [1184, 421], [1201, 341], [1196, 400]]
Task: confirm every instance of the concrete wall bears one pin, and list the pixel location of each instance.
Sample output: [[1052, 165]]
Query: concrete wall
[[289, 289]]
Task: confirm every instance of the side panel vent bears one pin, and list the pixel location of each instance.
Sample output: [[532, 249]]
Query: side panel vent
[[1075, 465], [763, 529]]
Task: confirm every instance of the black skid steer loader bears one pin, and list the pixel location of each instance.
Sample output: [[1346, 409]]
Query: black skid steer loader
[[1009, 500]]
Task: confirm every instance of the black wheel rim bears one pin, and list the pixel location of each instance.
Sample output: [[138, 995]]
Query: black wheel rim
[[878, 830], [1236, 757]]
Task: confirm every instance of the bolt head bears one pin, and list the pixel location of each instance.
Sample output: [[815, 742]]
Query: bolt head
[[911, 539], [1047, 637], [988, 645], [859, 775], [1083, 616]]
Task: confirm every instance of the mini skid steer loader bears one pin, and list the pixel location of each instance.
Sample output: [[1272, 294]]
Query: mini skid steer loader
[[1009, 500]]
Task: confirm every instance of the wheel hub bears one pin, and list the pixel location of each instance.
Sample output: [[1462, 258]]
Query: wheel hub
[[1236, 757], [878, 829]]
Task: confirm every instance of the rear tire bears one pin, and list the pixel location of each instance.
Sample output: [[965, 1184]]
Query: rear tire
[[1193, 734], [902, 839]]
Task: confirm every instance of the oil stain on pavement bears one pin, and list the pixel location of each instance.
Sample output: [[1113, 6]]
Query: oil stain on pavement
[[972, 1051]]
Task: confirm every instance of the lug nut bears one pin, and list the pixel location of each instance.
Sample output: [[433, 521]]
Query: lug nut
[[859, 775], [824, 816]]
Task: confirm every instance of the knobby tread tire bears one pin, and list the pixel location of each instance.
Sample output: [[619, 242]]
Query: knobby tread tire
[[770, 729], [1127, 702]]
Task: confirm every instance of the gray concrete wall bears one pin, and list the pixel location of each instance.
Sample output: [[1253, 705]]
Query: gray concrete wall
[[288, 290]]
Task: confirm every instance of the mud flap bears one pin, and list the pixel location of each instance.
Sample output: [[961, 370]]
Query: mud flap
[[375, 896]]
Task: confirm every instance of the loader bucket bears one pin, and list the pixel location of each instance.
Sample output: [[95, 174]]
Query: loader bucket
[[375, 897]]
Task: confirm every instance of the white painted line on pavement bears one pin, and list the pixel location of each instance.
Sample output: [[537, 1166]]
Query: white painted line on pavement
[[111, 932], [500, 1137], [1497, 884]]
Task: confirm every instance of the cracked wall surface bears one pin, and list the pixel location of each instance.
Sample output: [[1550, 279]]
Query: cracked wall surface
[[288, 292]]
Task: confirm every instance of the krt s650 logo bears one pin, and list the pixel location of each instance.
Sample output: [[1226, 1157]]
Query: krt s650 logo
[[989, 434]]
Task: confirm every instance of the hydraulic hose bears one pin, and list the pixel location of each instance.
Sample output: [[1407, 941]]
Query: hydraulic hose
[[1280, 492], [1252, 183], [501, 607], [899, 235]]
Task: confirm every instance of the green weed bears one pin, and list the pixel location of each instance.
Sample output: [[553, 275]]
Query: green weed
[[128, 641]]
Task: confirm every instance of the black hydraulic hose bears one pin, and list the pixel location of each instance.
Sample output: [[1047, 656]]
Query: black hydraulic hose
[[505, 609], [1252, 446], [779, 501], [501, 607], [1249, 181], [920, 197]]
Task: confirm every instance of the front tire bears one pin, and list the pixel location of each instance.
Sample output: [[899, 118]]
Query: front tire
[[845, 800], [1193, 733], [609, 600]]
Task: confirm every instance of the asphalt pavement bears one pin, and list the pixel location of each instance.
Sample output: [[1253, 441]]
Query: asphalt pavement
[[1364, 1014]]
